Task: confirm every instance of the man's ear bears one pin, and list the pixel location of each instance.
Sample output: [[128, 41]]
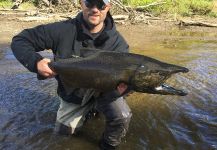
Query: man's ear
[[109, 5]]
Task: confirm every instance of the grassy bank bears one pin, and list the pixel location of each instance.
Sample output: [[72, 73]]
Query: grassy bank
[[181, 7]]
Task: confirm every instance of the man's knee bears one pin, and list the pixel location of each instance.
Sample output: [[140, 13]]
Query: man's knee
[[126, 119], [116, 112], [120, 125]]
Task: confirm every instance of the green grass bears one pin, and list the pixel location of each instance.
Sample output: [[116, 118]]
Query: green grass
[[182, 7], [8, 4], [28, 5]]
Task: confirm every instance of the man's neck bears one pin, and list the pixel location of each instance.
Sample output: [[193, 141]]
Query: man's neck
[[96, 29]]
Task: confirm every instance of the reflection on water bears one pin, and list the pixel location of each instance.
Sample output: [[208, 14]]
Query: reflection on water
[[28, 107], [182, 122]]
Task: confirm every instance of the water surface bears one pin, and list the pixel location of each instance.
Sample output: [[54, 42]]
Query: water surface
[[28, 106]]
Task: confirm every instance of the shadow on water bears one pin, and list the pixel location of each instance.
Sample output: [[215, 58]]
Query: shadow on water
[[28, 107]]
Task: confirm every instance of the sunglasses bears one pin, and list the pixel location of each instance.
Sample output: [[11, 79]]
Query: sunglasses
[[99, 4]]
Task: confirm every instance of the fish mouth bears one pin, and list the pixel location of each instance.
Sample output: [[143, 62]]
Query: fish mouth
[[181, 69], [166, 89]]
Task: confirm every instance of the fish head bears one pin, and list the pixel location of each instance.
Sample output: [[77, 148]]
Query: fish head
[[150, 78]]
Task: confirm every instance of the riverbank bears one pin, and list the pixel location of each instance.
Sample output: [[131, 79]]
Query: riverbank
[[12, 22]]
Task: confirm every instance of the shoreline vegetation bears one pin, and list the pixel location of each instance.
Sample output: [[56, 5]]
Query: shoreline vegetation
[[135, 11], [156, 7], [181, 7]]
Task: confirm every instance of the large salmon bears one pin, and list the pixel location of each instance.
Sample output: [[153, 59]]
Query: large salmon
[[104, 70]]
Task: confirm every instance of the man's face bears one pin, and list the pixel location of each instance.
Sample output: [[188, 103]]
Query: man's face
[[94, 12]]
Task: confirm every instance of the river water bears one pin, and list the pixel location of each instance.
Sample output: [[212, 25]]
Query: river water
[[28, 106]]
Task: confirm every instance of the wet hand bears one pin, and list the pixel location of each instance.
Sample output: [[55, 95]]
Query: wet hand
[[122, 87], [43, 68]]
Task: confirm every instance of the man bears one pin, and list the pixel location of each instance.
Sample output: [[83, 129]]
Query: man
[[93, 27]]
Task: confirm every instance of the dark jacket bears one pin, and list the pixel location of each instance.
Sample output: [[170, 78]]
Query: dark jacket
[[65, 39]]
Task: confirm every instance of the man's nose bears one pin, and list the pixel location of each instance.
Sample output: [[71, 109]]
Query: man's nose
[[94, 9]]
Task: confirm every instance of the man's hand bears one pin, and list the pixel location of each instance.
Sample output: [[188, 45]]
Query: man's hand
[[122, 87], [43, 68]]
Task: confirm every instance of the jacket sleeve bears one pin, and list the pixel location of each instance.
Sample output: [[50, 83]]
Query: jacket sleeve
[[26, 44]]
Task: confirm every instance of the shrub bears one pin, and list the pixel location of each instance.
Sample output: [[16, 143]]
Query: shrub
[[182, 7]]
